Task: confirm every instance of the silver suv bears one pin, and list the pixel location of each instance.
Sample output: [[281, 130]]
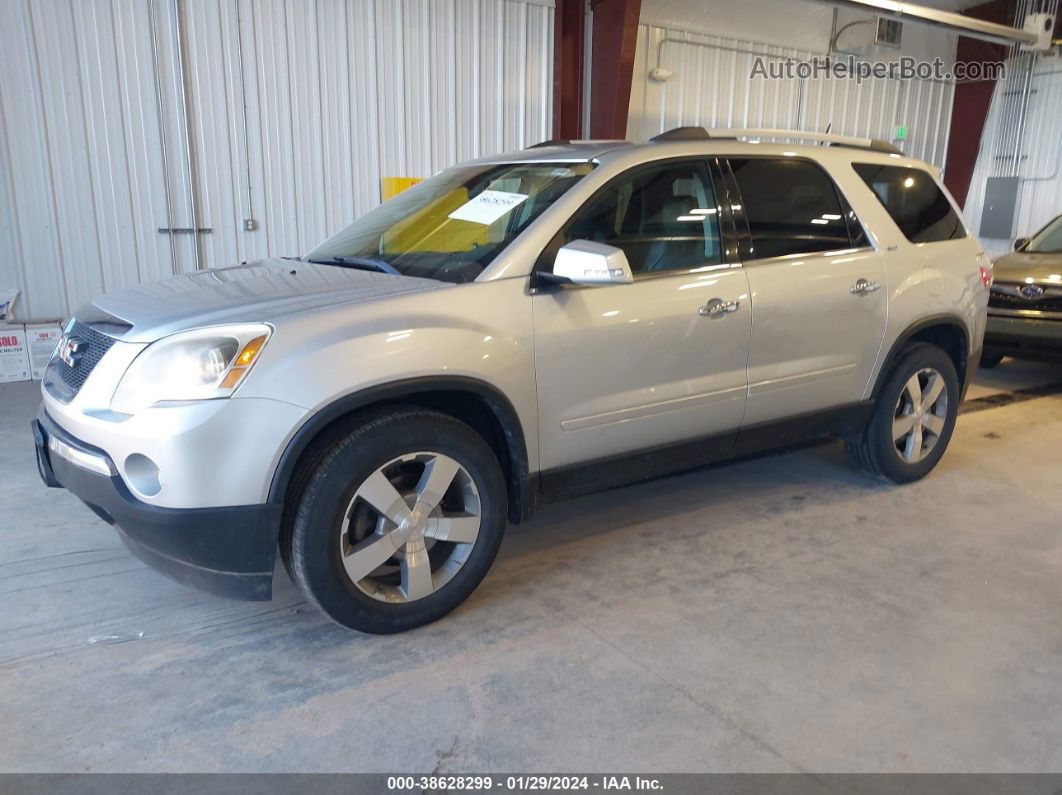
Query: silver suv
[[511, 331]]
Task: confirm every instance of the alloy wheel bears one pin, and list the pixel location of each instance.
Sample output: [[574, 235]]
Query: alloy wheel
[[920, 415], [410, 527]]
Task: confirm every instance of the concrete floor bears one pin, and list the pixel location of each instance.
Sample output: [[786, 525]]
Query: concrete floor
[[780, 614]]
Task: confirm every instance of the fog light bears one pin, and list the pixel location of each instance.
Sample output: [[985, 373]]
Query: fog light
[[143, 475]]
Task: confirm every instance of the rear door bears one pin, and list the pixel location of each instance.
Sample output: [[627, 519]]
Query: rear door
[[818, 289], [623, 368]]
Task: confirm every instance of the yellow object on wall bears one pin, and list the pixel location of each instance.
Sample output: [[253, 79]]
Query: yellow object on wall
[[432, 229], [392, 186]]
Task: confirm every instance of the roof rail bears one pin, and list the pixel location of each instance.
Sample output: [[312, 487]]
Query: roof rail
[[682, 134], [578, 142], [829, 139], [551, 142]]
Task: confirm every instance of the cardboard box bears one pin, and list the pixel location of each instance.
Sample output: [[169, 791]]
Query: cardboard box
[[8, 297], [14, 356], [41, 339]]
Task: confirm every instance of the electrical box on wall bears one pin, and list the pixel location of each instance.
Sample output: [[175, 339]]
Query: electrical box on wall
[[886, 35], [1001, 199], [888, 32]]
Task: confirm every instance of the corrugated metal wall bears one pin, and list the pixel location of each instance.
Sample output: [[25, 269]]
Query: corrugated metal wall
[[711, 87], [1038, 143], [288, 114]]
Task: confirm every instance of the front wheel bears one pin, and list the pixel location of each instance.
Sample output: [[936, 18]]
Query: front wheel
[[913, 418], [399, 521]]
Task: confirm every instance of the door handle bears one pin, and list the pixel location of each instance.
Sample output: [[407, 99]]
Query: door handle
[[862, 287], [718, 308]]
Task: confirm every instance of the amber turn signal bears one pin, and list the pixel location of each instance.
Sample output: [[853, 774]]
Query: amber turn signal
[[244, 360]]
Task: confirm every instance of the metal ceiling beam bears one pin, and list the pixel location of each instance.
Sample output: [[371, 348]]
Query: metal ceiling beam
[[946, 20]]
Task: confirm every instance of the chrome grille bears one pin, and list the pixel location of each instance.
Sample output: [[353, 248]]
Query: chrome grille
[[1010, 295], [1046, 303], [95, 345]]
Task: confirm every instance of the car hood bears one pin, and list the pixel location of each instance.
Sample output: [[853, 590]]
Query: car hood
[[255, 292], [1020, 266]]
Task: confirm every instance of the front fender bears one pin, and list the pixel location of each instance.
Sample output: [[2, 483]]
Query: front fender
[[475, 337]]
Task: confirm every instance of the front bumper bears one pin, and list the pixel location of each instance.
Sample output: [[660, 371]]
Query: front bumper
[[1025, 337], [228, 551]]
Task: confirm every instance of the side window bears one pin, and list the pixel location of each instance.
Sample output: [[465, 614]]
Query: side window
[[791, 207], [915, 202], [857, 235], [664, 217]]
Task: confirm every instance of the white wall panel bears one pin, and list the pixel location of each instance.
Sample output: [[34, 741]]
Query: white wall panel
[[28, 225], [711, 86], [1039, 159], [341, 93], [295, 110], [83, 189], [153, 257]]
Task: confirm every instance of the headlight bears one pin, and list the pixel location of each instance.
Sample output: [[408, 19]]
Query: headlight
[[192, 365]]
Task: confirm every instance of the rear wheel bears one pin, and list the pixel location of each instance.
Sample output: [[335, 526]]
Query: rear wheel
[[399, 521], [913, 418]]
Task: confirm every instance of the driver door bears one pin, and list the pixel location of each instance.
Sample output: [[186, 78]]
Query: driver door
[[631, 367]]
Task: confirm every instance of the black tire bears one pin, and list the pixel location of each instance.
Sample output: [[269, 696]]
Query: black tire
[[874, 450], [990, 359], [311, 548]]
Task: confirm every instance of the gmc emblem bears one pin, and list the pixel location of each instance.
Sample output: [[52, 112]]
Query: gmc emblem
[[69, 349]]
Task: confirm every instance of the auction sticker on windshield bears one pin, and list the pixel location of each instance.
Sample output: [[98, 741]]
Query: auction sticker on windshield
[[487, 207]]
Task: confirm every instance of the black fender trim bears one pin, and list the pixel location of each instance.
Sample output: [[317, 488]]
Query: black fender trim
[[914, 328], [521, 494]]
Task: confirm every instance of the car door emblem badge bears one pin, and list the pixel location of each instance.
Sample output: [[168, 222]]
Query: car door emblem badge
[[1032, 291]]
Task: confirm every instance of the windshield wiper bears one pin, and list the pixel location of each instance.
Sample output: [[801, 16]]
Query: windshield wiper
[[361, 263]]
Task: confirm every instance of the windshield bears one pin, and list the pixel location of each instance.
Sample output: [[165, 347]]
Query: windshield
[[1048, 240], [450, 227]]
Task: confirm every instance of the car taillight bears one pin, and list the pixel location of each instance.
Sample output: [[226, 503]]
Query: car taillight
[[986, 276]]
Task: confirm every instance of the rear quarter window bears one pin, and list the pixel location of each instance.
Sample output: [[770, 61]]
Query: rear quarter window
[[914, 201]]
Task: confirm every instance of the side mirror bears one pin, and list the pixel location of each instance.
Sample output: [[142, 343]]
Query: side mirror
[[1020, 243], [588, 263]]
